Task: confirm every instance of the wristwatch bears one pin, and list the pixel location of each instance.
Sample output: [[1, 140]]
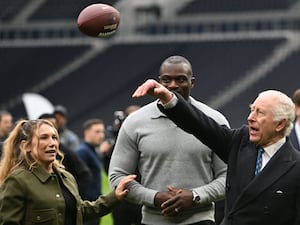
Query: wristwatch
[[196, 197]]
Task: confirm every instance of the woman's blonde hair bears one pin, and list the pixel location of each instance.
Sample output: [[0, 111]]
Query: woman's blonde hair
[[14, 156]]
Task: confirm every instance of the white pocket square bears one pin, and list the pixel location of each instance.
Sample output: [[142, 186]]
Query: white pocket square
[[279, 192]]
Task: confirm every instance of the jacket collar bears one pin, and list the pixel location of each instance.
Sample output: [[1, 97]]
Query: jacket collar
[[43, 175]]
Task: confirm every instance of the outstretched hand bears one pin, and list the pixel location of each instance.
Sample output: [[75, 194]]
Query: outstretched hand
[[153, 88], [121, 190]]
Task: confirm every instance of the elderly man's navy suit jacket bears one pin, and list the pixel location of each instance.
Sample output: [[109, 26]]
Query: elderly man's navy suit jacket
[[272, 197]]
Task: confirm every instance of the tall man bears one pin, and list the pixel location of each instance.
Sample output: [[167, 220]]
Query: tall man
[[259, 190], [170, 161]]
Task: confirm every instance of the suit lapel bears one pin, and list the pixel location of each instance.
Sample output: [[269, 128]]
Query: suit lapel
[[278, 165], [247, 156]]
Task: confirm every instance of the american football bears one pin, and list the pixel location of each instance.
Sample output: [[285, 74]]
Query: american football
[[98, 20]]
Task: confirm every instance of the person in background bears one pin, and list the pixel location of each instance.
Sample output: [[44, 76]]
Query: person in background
[[263, 178], [295, 133], [94, 135], [126, 213], [106, 148], [170, 160], [68, 138], [34, 186], [131, 108], [72, 161], [6, 123]]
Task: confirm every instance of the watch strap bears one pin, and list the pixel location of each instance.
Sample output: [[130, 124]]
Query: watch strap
[[196, 197]]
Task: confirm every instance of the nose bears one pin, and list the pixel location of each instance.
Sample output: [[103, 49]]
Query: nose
[[250, 116], [173, 84], [53, 141]]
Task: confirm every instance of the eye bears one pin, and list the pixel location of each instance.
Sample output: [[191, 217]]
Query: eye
[[261, 112], [54, 137], [165, 79], [181, 79], [257, 111], [43, 137]]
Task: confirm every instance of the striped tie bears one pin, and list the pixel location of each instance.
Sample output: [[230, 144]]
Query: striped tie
[[259, 161]]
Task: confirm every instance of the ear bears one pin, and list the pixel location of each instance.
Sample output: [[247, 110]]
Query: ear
[[192, 81], [23, 146], [281, 125]]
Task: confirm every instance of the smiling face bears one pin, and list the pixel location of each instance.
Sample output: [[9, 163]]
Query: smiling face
[[264, 129], [44, 146]]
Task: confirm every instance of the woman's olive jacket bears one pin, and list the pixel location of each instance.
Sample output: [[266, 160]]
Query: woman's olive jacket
[[34, 196]]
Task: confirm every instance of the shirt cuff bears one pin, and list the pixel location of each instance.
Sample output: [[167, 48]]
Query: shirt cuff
[[172, 103]]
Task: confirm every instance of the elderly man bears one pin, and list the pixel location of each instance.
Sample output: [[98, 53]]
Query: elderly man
[[263, 179]]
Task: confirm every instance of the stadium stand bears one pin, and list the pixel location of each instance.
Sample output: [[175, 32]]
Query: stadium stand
[[284, 78], [9, 10], [213, 6], [234, 54], [62, 10], [31, 66]]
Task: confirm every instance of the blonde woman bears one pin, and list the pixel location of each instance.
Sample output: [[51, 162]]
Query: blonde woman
[[35, 188]]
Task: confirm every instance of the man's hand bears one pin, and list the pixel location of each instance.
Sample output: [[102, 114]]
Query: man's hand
[[174, 191], [182, 199], [161, 197], [153, 88]]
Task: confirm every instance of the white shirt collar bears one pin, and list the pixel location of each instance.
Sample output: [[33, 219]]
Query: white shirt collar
[[272, 149]]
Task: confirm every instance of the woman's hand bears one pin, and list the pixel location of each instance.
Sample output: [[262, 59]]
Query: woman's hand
[[121, 190]]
